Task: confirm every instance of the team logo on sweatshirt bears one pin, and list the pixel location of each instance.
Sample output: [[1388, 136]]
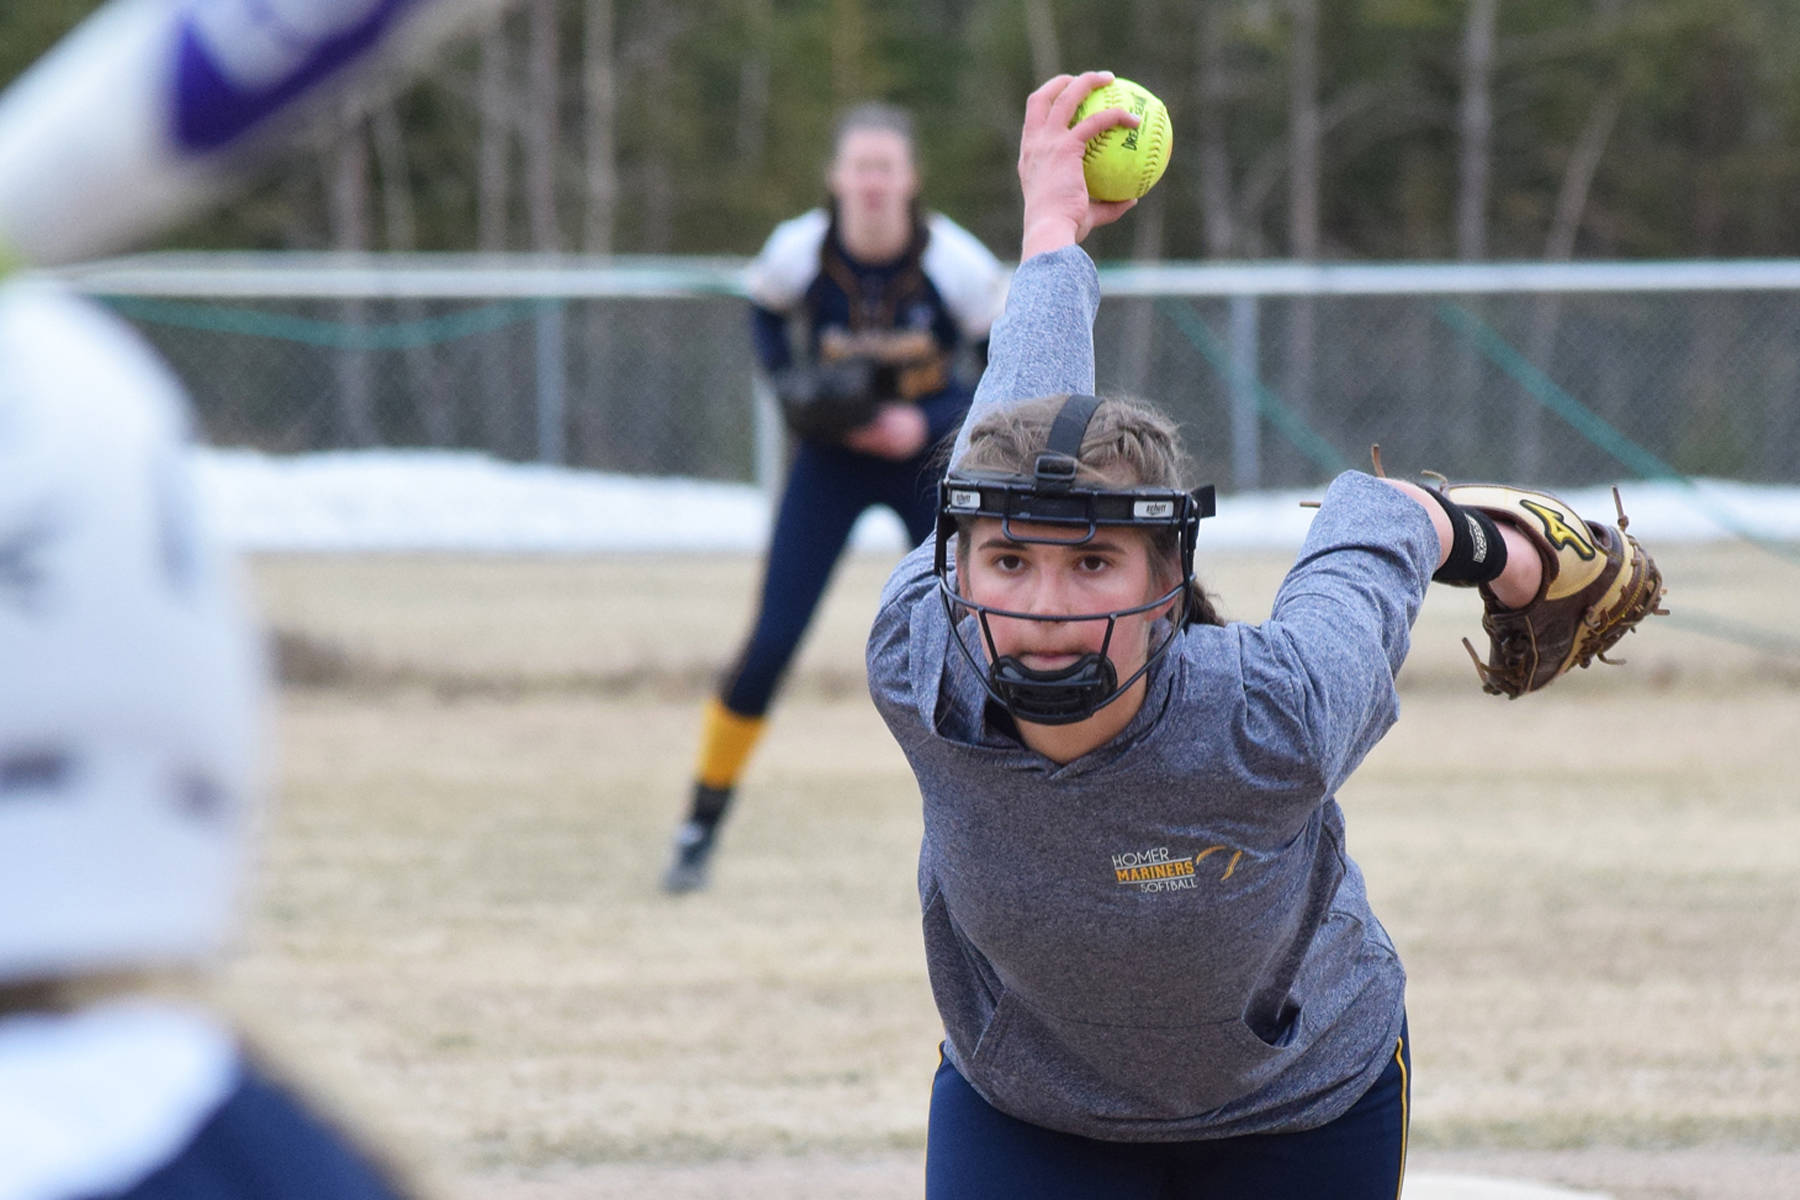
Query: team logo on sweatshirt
[[1160, 870]]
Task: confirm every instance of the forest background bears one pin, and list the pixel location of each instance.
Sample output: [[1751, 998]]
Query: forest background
[[1355, 131]]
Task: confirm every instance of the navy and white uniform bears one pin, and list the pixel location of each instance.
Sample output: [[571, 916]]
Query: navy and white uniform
[[908, 319], [142, 1101], [1165, 940], [914, 315]]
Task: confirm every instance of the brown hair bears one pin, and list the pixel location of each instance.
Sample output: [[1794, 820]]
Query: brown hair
[[889, 118], [1129, 443]]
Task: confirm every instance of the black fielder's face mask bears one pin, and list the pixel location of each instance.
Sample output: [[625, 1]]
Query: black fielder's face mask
[[1048, 508]]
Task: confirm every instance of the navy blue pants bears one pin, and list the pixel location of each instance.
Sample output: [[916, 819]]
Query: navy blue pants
[[828, 488], [976, 1152], [265, 1144]]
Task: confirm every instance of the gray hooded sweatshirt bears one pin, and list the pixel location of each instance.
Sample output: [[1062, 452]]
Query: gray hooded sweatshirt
[[1164, 939]]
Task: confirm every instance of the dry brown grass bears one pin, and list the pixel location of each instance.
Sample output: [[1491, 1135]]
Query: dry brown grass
[[458, 929]]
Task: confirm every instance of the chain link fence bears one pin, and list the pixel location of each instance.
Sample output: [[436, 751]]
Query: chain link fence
[[1560, 376]]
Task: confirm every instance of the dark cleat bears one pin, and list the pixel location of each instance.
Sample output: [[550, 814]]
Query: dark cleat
[[689, 867]]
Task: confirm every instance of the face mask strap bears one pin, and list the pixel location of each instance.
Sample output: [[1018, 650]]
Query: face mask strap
[[1056, 466], [1062, 697], [1005, 693]]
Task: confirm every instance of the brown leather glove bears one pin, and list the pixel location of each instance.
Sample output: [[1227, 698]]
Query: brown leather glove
[[1598, 584]]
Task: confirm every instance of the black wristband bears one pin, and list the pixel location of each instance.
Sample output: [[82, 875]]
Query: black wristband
[[1477, 552]]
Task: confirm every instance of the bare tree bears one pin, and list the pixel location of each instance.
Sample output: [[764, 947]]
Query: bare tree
[[1475, 129], [1719, 128], [1040, 35], [601, 92], [399, 223], [1303, 196], [494, 153], [1303, 132], [349, 189], [754, 75], [493, 148], [543, 56], [348, 205], [425, 383], [649, 53], [1579, 172], [543, 53], [1214, 90], [1559, 244], [596, 392]]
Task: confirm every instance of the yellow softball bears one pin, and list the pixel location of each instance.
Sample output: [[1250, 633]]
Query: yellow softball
[[1122, 163]]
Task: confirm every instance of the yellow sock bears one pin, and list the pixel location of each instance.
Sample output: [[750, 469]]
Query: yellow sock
[[726, 740]]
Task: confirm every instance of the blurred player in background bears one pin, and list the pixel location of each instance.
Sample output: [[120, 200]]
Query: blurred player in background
[[130, 729], [881, 298]]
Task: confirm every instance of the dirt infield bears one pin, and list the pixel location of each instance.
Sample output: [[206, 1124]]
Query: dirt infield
[[1692, 1174], [458, 934]]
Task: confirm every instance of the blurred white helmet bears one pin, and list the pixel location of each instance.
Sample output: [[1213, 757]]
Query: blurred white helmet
[[131, 680]]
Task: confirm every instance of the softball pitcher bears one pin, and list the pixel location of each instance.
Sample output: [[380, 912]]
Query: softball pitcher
[[881, 298], [1156, 964]]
